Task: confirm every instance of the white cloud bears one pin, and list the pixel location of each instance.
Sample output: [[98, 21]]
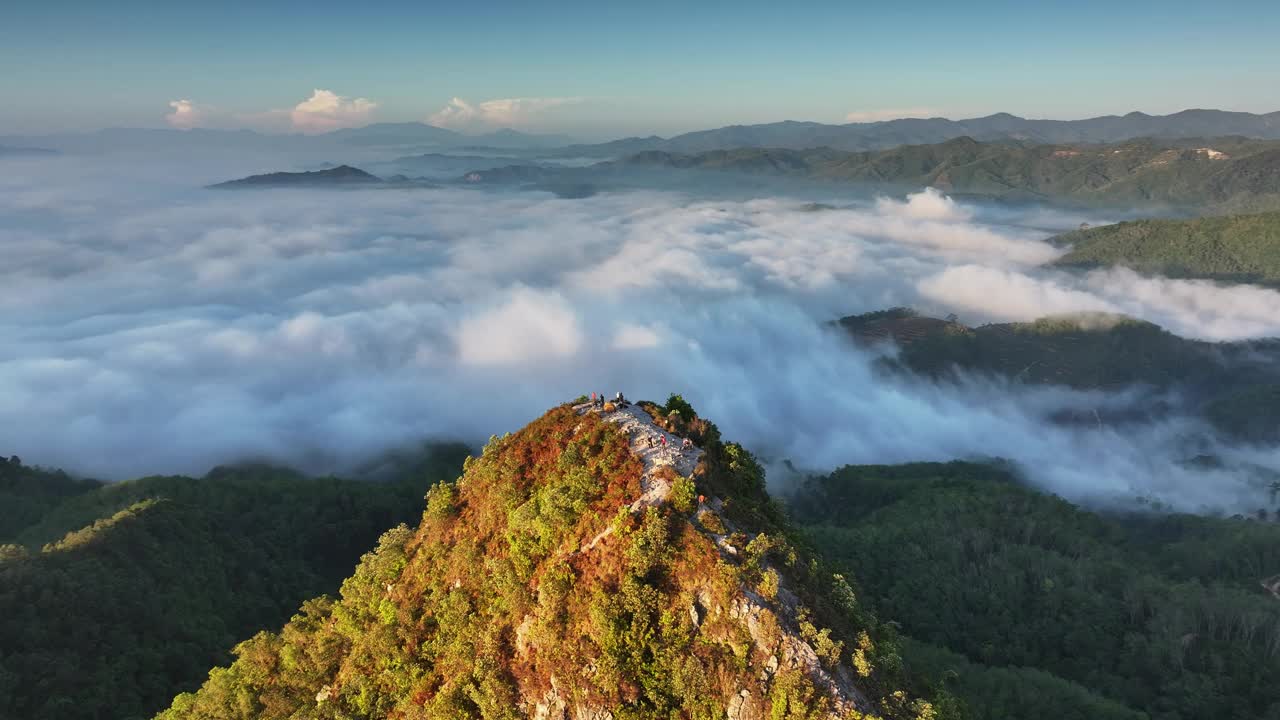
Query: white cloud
[[164, 328], [186, 115], [322, 112], [1007, 295], [527, 327], [460, 114], [864, 116], [930, 204], [326, 110], [635, 337], [1195, 308]]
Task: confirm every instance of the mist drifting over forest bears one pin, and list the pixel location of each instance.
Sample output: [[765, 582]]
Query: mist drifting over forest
[[155, 326]]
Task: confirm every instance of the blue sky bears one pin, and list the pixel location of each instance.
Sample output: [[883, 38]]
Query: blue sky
[[607, 69]]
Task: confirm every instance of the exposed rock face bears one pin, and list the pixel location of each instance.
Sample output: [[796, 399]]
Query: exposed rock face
[[554, 707], [551, 707], [772, 627], [790, 652], [1272, 585], [744, 706]]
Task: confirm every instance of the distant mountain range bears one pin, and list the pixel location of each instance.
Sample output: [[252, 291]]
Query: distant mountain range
[[790, 134], [1219, 175], [915, 131], [1224, 174], [416, 133], [1204, 176]]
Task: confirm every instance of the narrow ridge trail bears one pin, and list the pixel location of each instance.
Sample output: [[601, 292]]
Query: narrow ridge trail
[[646, 443]]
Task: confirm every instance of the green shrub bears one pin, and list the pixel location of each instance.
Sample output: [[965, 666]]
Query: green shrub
[[684, 495], [712, 522], [677, 404], [440, 501], [768, 585]]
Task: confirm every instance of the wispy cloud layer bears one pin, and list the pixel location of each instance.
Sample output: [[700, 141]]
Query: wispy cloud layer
[[155, 327]]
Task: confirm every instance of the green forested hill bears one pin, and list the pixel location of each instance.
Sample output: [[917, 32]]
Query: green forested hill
[[27, 494], [1027, 606], [123, 594], [1222, 174], [1234, 248], [1228, 382], [1081, 351]]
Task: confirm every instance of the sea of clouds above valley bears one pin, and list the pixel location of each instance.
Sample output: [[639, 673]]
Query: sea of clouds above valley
[[153, 326]]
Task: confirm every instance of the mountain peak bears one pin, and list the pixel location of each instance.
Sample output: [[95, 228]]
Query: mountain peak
[[580, 568]]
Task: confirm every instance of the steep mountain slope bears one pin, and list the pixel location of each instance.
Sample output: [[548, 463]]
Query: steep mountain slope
[[124, 594], [1234, 248], [574, 571], [1031, 607], [794, 135], [1227, 174]]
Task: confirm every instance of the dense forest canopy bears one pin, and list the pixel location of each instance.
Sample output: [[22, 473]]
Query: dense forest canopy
[[1230, 384], [116, 597], [1006, 602], [1215, 174], [1229, 248], [1002, 590]]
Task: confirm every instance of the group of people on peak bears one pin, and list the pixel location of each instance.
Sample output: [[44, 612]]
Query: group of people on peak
[[598, 401], [661, 439]]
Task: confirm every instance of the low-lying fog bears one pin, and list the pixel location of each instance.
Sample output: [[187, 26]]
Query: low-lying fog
[[153, 326]]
